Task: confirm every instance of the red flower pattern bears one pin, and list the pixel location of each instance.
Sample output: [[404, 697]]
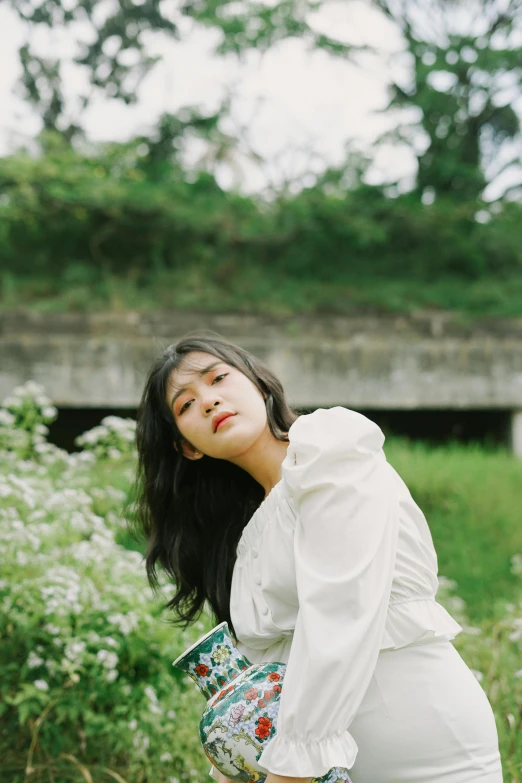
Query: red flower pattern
[[251, 694], [274, 677], [225, 691], [202, 670], [263, 728], [277, 689], [261, 703]]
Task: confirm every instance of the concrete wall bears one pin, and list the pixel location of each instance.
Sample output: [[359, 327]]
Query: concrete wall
[[402, 363], [426, 361]]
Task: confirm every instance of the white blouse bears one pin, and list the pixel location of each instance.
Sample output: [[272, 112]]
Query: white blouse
[[336, 564]]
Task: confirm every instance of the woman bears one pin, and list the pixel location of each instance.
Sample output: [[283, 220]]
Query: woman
[[297, 531]]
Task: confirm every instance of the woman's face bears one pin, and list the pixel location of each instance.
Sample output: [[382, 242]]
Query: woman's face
[[204, 387]]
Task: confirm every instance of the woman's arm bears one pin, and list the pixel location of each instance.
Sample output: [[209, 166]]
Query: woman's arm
[[345, 546]]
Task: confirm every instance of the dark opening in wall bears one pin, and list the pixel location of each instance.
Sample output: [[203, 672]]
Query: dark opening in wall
[[435, 426], [71, 422], [441, 426]]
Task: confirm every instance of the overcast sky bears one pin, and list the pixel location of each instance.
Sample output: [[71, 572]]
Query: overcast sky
[[290, 99]]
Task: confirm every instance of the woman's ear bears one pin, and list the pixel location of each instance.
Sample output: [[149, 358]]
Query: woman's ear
[[189, 451]]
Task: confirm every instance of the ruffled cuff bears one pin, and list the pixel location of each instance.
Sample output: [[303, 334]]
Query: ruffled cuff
[[213, 772], [308, 759]]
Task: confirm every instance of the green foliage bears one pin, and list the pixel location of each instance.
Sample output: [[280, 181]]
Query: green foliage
[[24, 419], [466, 118], [460, 57], [86, 685], [124, 225], [113, 55]]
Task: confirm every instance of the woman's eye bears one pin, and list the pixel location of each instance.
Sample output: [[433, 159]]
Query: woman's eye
[[223, 375]]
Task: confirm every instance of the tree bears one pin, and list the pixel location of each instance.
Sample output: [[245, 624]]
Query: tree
[[466, 73], [112, 50]]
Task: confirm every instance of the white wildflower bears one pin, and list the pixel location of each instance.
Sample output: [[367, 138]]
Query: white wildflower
[[34, 660], [41, 685], [74, 650], [107, 658], [124, 622], [516, 564], [166, 757], [471, 630], [446, 583], [31, 387], [517, 633], [140, 741], [6, 418], [110, 641]]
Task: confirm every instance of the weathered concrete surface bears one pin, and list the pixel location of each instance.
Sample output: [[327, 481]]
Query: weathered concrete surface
[[516, 434], [422, 361]]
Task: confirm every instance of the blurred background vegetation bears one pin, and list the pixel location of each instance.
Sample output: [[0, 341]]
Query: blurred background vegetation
[[136, 226], [87, 690]]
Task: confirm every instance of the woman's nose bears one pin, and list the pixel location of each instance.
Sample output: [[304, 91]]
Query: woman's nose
[[210, 403]]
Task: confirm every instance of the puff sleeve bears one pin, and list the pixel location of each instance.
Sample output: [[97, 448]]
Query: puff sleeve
[[344, 545]]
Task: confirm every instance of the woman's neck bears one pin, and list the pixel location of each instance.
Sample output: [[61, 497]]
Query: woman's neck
[[263, 460]]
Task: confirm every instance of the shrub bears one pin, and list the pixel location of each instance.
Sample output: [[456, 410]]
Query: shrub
[[24, 419], [85, 659], [113, 438]]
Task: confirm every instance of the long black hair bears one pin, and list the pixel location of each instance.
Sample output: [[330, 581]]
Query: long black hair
[[192, 512]]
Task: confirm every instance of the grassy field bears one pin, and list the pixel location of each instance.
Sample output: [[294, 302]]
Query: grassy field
[[471, 499]]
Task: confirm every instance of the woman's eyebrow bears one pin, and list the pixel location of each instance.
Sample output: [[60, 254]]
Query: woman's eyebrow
[[202, 372]]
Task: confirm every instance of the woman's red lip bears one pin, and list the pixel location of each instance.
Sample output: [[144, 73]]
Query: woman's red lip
[[225, 419]]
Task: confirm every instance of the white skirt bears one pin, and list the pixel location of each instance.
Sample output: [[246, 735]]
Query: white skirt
[[425, 718]]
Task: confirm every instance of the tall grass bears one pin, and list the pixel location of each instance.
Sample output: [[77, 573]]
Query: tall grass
[[471, 497]]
